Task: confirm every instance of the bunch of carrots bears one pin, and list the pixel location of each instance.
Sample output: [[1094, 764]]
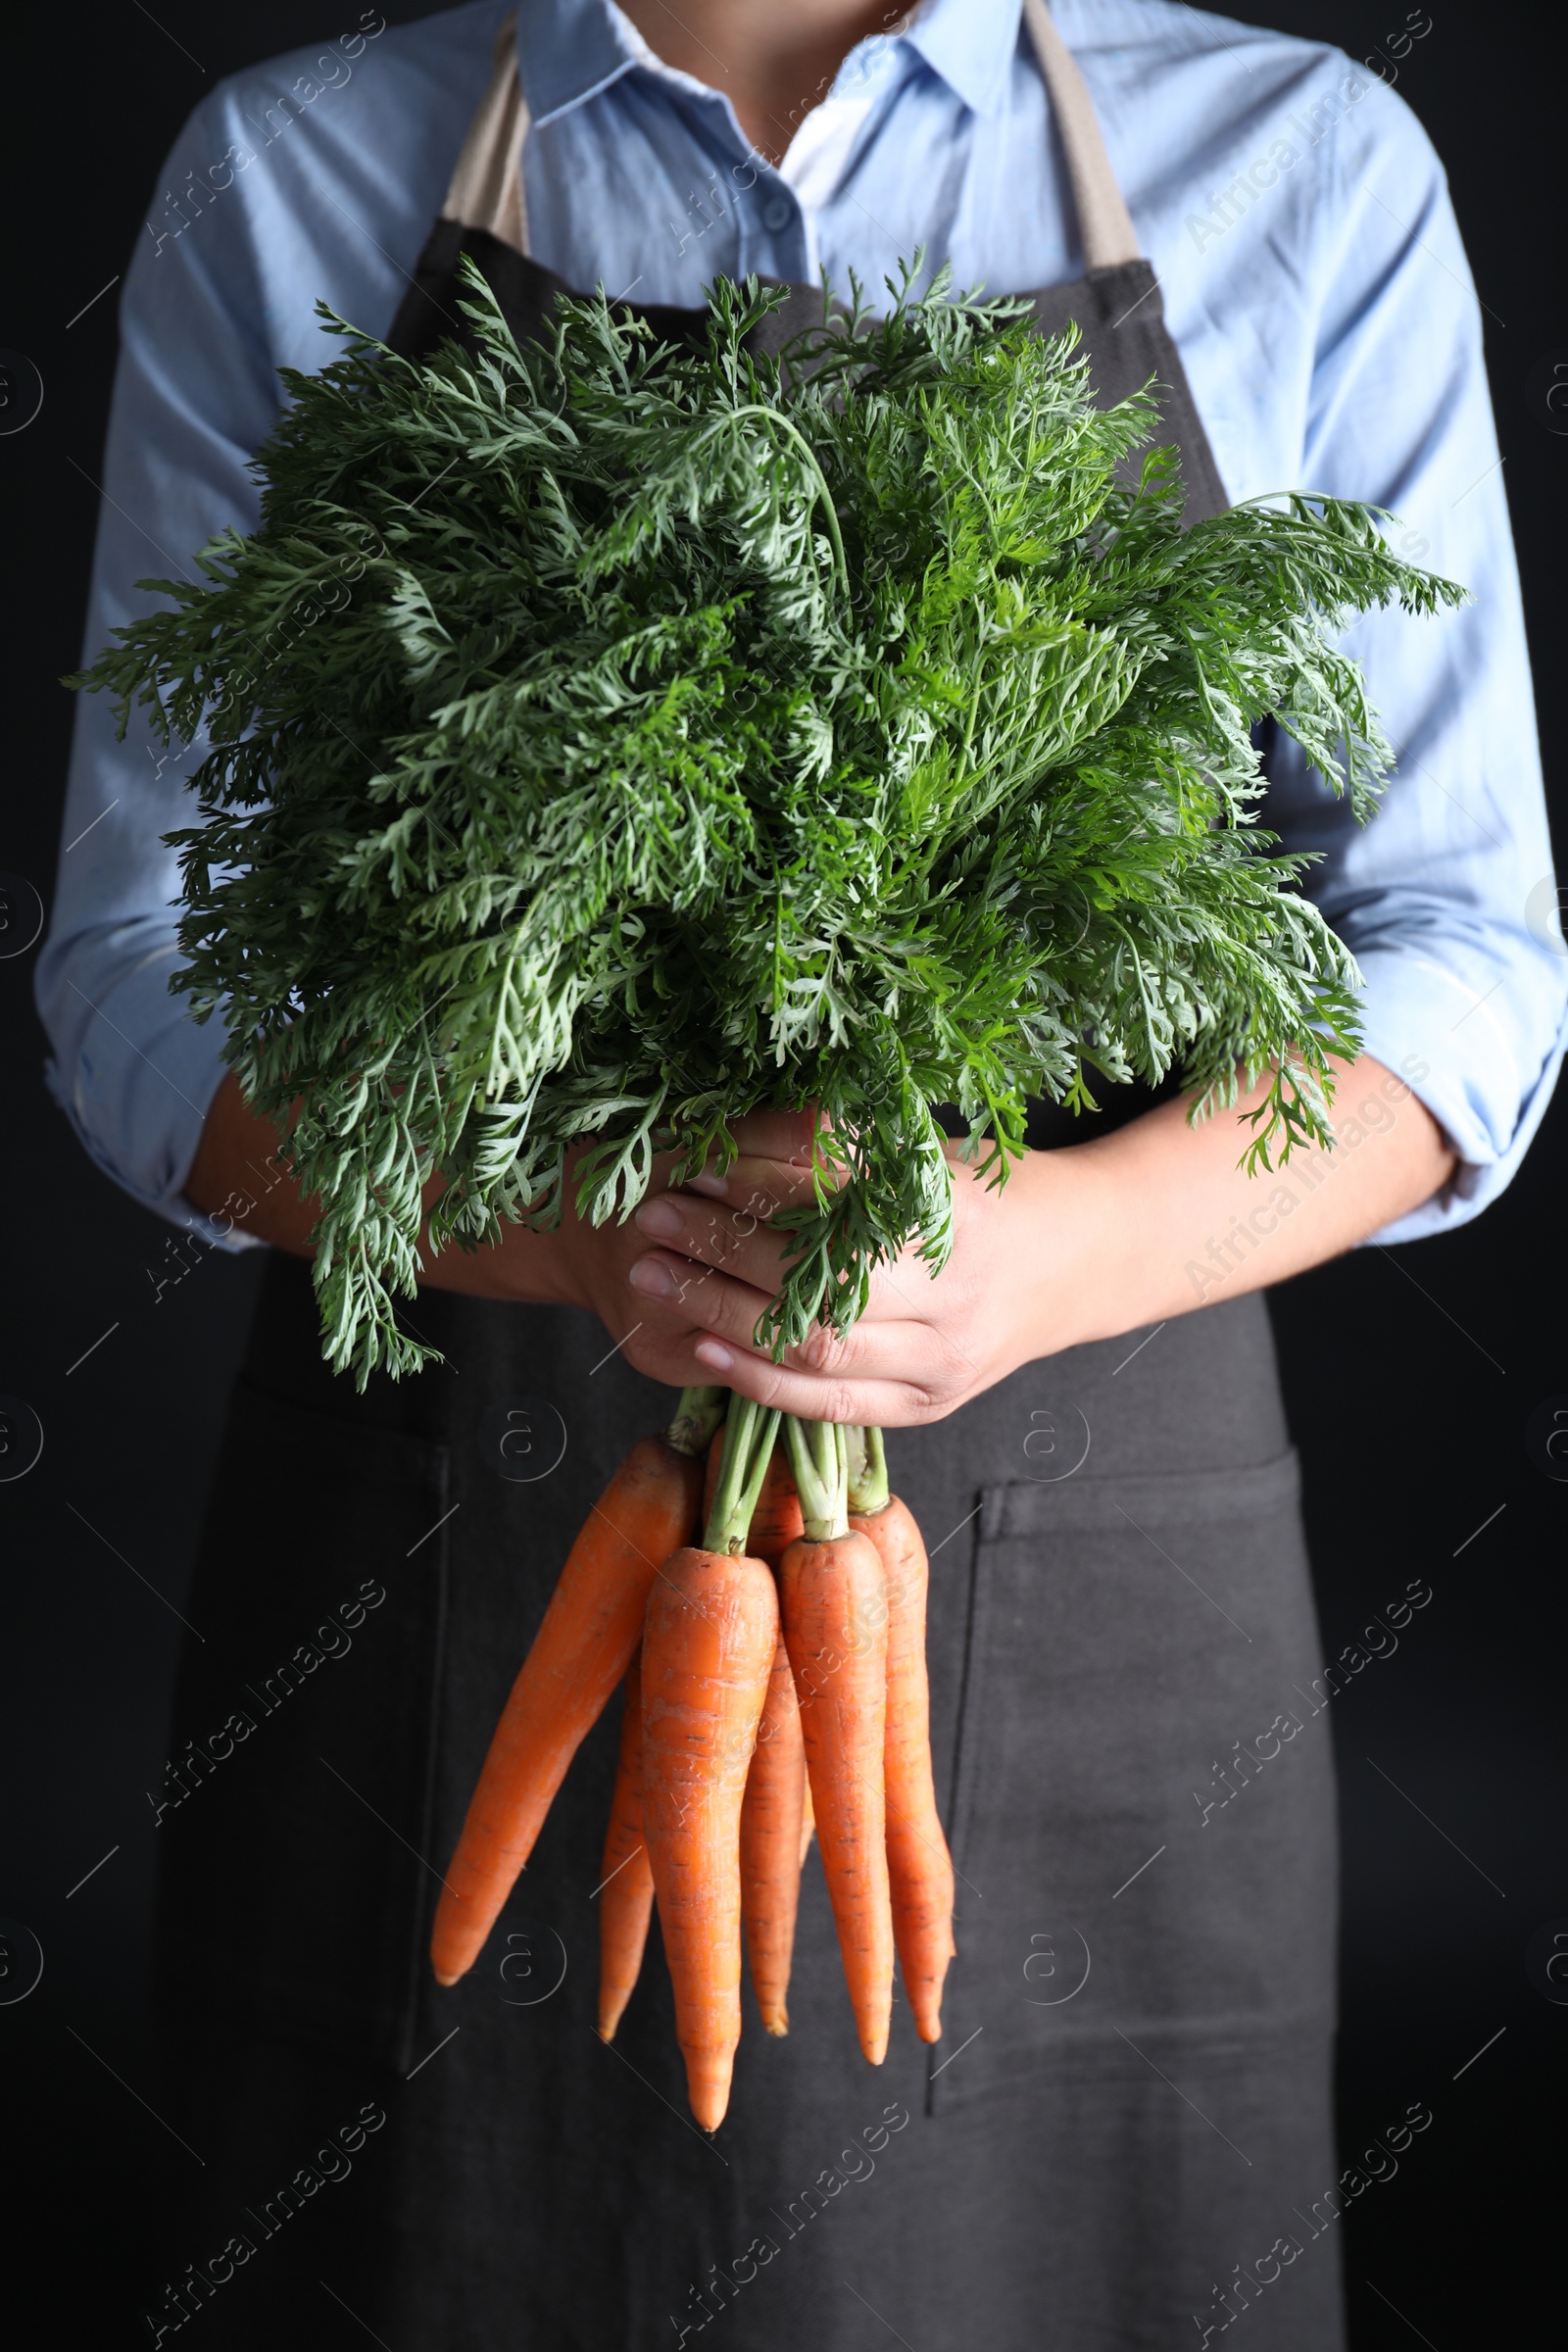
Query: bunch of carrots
[[775, 1681]]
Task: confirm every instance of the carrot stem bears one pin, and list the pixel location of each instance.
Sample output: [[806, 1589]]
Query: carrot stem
[[868, 1471], [819, 1457], [697, 1416], [776, 1514], [748, 1435]]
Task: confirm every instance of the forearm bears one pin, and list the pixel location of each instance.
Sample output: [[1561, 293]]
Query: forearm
[[241, 1172], [1171, 1222], [1080, 1245]]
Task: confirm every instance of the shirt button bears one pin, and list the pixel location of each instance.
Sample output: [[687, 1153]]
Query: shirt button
[[777, 213]]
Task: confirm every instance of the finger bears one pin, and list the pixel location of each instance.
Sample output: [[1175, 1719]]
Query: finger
[[784, 1135], [889, 1404], [733, 1239], [730, 1310], [810, 1397], [761, 1184], [751, 1195], [701, 1295]]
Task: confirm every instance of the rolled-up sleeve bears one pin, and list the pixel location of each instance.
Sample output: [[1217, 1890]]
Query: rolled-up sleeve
[[317, 175], [1332, 338], [1447, 898], [195, 392]]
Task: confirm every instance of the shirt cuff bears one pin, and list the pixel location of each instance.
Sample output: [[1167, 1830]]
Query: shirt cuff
[[1487, 1103], [138, 1107], [219, 1232]]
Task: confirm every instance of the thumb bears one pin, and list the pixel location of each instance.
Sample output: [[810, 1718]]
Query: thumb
[[781, 1135]]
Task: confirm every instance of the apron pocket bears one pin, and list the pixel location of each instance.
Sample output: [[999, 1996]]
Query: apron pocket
[[1143, 1822], [294, 1806]]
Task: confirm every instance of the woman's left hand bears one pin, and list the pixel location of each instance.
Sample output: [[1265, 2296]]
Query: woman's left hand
[[926, 1343], [1154, 1220]]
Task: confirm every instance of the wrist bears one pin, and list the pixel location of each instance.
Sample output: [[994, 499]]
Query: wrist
[[524, 1267], [1085, 1262]]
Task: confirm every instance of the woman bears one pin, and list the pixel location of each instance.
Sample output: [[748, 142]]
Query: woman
[[1124, 2136]]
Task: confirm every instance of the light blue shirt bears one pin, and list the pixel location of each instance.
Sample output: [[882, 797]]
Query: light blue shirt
[[1312, 276]]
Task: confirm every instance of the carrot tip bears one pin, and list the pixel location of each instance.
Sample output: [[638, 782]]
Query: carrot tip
[[446, 1981], [778, 2030], [710, 2097]]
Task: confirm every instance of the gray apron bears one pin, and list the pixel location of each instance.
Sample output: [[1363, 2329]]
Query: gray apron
[[1121, 2137]]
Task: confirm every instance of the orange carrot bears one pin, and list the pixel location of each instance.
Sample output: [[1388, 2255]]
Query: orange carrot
[[579, 1654], [808, 1816], [835, 1626], [626, 1877], [772, 1844], [708, 1645], [919, 1868], [776, 1520], [707, 1651]]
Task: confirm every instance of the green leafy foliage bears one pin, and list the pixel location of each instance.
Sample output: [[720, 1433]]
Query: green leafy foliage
[[599, 742]]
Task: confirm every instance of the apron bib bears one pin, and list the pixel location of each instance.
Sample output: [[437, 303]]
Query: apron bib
[[1130, 2107]]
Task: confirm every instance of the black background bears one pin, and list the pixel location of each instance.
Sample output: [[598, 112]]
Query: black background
[[1410, 1377]]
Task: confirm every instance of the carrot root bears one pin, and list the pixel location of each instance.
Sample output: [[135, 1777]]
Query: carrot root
[[579, 1654], [919, 1867], [835, 1629], [708, 1648], [626, 1877], [772, 1846]]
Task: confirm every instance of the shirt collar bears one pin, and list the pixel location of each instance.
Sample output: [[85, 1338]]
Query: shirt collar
[[566, 52], [572, 49], [971, 44]]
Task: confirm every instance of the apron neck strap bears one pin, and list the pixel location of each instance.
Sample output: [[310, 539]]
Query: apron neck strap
[[486, 191], [1104, 225]]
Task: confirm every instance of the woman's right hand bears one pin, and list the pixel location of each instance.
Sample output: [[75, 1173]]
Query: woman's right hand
[[590, 1266], [240, 1177]]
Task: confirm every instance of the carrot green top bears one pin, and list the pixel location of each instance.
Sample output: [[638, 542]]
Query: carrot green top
[[692, 732]]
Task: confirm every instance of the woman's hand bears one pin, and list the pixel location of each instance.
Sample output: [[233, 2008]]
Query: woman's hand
[[588, 1266], [1013, 1288], [1080, 1244], [1085, 1242], [241, 1176], [682, 1285]]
